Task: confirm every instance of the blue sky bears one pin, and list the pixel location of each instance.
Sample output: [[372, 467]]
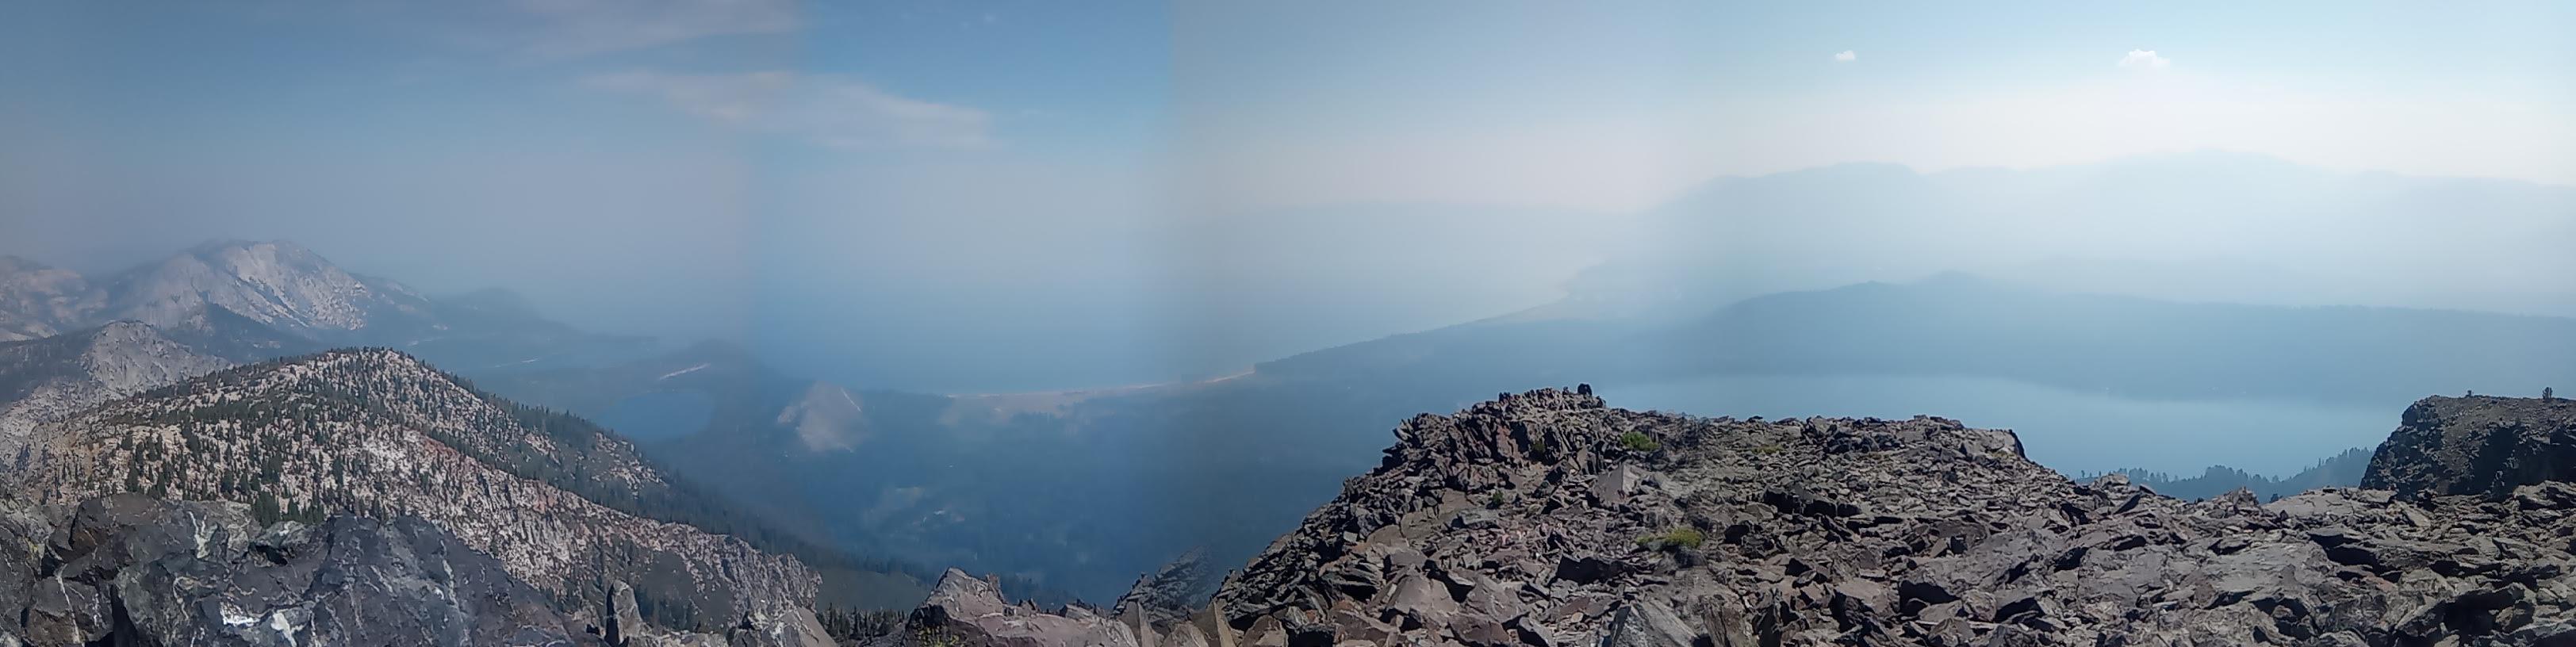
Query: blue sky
[[998, 178]]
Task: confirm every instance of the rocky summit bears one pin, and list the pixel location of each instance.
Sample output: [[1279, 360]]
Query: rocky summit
[[2476, 445], [1547, 518]]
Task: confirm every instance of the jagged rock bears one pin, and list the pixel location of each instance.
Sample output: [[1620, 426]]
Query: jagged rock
[[1167, 595], [1528, 521], [1648, 624], [780, 627], [2477, 445], [964, 611], [63, 612], [129, 570], [622, 621], [1613, 487]]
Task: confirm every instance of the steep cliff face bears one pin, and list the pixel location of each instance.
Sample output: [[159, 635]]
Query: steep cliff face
[[559, 503], [2477, 445], [46, 379], [1547, 518]]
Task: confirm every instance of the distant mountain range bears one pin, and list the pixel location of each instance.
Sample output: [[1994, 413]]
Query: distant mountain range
[[249, 300], [42, 380], [2206, 226], [1960, 324], [1073, 493], [1121, 479]]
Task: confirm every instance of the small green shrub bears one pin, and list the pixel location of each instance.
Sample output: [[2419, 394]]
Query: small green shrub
[[1767, 450], [1638, 441], [1677, 539]]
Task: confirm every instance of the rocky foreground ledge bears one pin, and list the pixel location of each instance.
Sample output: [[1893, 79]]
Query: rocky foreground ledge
[[130, 570], [1547, 518]]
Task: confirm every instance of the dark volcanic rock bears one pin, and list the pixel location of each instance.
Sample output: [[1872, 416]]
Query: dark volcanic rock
[[135, 571], [1169, 594], [2477, 445], [1603, 526]]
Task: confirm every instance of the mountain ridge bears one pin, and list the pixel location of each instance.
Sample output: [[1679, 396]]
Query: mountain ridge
[[42, 380], [377, 432], [299, 301]]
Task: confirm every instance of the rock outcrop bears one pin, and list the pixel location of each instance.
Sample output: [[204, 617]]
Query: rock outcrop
[[2477, 445], [1168, 595], [1547, 518], [967, 612], [130, 570]]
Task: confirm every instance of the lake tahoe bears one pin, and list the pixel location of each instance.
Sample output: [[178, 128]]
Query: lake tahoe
[[2070, 431]]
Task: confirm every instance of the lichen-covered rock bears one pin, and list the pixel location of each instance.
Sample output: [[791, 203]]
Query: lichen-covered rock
[[1547, 518]]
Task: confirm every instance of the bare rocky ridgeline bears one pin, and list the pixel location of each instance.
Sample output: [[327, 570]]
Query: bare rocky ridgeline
[[379, 434], [1547, 518]]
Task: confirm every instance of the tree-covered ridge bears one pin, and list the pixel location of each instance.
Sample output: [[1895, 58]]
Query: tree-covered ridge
[[31, 353], [379, 433], [380, 386], [2340, 470]]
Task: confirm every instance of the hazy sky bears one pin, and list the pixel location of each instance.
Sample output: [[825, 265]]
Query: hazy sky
[[966, 195]]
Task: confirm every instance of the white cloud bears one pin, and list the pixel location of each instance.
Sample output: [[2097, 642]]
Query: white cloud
[[584, 27], [1846, 56], [828, 110], [2144, 59]]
